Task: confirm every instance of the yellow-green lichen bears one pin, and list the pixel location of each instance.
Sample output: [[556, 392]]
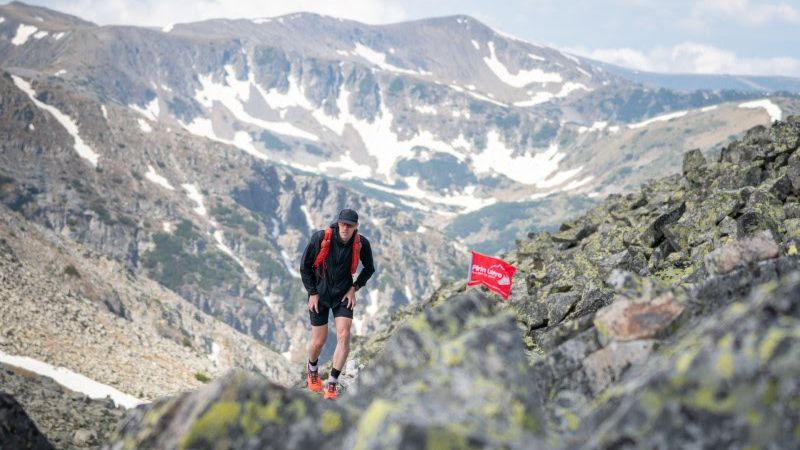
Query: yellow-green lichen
[[331, 422], [298, 408], [754, 418], [770, 392], [572, 420], [725, 364], [255, 416], [371, 419], [769, 342], [439, 438], [705, 399], [652, 402], [213, 424], [453, 353]]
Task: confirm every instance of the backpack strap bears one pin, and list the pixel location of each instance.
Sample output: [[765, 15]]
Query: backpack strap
[[356, 253], [324, 248]]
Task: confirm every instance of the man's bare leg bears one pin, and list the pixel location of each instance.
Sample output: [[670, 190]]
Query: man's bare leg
[[318, 335], [343, 325]]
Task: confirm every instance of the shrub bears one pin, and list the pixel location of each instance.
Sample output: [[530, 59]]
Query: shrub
[[201, 377]]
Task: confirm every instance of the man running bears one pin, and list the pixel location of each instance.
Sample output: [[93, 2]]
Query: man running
[[329, 262]]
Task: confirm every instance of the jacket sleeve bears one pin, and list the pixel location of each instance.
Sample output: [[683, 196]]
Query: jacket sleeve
[[307, 265], [366, 261]]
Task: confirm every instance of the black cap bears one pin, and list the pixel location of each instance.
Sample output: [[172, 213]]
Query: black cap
[[348, 216]]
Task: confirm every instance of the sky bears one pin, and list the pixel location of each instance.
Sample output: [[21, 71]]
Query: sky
[[747, 37]]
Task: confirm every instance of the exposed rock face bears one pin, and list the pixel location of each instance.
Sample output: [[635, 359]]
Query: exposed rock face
[[67, 419], [16, 428]]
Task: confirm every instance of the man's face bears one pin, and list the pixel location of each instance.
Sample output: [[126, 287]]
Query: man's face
[[346, 231]]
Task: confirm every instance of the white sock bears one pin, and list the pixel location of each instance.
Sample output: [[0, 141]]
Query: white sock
[[312, 368]]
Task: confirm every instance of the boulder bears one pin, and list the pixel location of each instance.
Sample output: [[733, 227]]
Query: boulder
[[17, 430], [627, 320], [655, 232], [558, 305], [606, 365], [694, 166], [741, 253]]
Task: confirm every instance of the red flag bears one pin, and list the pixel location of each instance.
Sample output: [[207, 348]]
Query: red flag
[[493, 273]]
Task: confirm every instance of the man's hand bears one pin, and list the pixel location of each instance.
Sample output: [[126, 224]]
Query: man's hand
[[350, 298], [313, 303]]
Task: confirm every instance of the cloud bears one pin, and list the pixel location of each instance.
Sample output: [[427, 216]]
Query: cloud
[[692, 57], [757, 13], [163, 12]]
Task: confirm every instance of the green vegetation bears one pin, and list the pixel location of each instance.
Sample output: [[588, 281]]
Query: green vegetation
[[171, 264], [234, 219], [201, 377], [72, 271]]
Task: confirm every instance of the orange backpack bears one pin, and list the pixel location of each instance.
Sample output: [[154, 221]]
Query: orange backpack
[[325, 246]]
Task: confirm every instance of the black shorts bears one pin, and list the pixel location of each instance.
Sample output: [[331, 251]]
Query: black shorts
[[340, 309]]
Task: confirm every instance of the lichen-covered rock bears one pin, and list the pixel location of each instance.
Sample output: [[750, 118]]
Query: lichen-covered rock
[[732, 382], [741, 253], [240, 410], [694, 166]]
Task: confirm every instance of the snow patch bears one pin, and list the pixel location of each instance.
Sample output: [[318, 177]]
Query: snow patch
[[262, 20], [536, 57], [167, 28], [522, 77], [23, 33], [307, 214], [167, 227], [72, 380], [151, 110], [194, 194], [241, 139], [289, 265], [661, 118], [380, 141], [2, 19], [526, 169], [772, 109], [144, 126], [60, 73], [60, 35], [214, 355], [104, 111], [379, 59], [426, 109], [476, 45], [40, 35], [468, 202], [234, 93], [31, 127], [153, 176], [708, 108], [83, 150]]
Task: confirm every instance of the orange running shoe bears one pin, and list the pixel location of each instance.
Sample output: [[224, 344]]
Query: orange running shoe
[[330, 393], [313, 381]]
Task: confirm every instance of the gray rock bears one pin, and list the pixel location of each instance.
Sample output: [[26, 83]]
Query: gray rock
[[694, 166], [742, 253]]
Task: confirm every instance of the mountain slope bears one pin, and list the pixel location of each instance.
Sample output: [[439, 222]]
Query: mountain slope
[[669, 316]]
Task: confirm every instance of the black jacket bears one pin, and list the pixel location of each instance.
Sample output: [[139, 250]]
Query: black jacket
[[337, 279]]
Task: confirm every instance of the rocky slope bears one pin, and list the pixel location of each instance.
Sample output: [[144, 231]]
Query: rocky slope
[[665, 318], [93, 316], [66, 419], [441, 117]]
